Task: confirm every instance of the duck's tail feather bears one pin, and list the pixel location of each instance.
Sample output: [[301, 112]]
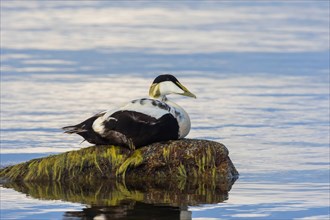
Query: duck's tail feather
[[75, 129], [83, 127]]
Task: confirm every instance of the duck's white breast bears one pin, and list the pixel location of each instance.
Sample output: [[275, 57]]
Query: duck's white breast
[[182, 117]]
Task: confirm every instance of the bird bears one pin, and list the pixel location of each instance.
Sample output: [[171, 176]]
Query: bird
[[141, 121]]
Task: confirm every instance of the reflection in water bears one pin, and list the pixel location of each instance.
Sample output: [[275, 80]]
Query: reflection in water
[[129, 200], [129, 210]]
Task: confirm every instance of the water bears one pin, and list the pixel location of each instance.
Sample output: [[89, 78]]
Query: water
[[260, 72]]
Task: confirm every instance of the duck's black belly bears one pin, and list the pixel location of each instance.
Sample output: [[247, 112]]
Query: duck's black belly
[[142, 129]]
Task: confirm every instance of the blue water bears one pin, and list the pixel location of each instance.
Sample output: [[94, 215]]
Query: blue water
[[260, 71]]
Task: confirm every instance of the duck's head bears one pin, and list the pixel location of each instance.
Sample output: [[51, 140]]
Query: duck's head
[[167, 84]]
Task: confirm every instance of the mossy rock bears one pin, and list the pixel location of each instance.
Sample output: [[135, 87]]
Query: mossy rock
[[179, 160]]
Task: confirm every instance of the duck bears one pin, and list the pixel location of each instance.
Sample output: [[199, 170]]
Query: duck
[[141, 121]]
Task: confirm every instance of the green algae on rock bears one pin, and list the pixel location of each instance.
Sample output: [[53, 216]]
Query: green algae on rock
[[85, 164], [179, 159]]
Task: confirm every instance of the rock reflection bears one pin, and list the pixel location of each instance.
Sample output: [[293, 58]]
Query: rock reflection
[[129, 200]]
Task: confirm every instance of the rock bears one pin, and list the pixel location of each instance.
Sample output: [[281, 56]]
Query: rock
[[180, 160]]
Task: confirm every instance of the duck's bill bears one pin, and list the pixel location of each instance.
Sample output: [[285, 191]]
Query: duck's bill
[[186, 92]]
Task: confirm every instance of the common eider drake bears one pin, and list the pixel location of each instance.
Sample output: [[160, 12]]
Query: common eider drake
[[142, 121]]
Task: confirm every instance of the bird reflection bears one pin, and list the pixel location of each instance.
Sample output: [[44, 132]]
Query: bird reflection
[[130, 210]]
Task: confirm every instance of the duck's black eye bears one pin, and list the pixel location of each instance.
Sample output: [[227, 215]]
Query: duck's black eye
[[165, 77]]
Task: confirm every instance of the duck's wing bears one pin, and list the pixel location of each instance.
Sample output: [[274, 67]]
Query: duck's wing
[[139, 127], [140, 122]]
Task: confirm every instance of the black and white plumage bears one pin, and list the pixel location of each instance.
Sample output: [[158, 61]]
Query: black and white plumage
[[142, 121]]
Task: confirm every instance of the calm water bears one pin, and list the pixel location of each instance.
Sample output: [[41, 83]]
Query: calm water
[[260, 72]]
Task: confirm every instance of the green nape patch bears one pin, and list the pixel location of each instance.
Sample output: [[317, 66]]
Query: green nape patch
[[179, 159]]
